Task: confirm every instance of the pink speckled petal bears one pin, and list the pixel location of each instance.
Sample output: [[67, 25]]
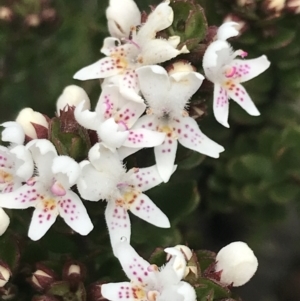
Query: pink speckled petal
[[43, 218], [129, 86], [221, 105], [119, 291], [135, 267], [124, 152], [72, 210], [146, 178], [130, 113], [145, 209], [140, 138], [165, 157], [105, 67], [118, 223], [240, 96], [149, 122], [190, 136], [248, 69], [24, 197], [6, 159]]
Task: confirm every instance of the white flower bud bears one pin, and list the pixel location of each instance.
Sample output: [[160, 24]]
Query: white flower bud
[[180, 66], [71, 96], [237, 264], [4, 221], [4, 275], [275, 5], [121, 16], [26, 117]]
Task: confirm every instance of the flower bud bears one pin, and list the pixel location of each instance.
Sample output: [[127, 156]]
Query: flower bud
[[273, 6], [72, 95], [236, 264], [293, 6], [74, 272], [34, 124], [6, 14], [42, 278], [4, 221], [121, 16], [8, 292], [33, 20], [4, 273]]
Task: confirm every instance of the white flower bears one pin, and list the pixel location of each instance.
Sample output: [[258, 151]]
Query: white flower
[[49, 192], [28, 119], [141, 49], [104, 177], [113, 119], [121, 17], [147, 282], [237, 264], [223, 69], [71, 96], [167, 97], [13, 133]]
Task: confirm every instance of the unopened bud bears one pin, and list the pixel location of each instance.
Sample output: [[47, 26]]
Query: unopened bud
[[185, 250], [42, 278], [4, 273], [49, 15], [32, 20], [293, 6], [180, 66], [241, 24], [72, 95], [4, 222], [273, 6], [74, 272], [8, 292], [236, 264], [34, 124], [121, 17], [6, 14]]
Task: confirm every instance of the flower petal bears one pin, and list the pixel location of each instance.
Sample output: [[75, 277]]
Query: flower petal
[[118, 223], [13, 132], [103, 68], [118, 291], [43, 152], [42, 220], [248, 69], [140, 138], [4, 221], [87, 119], [134, 266], [146, 178], [240, 96], [66, 170], [154, 84], [165, 158], [159, 19], [74, 213], [187, 291], [158, 51], [124, 152], [227, 30], [221, 105], [190, 136], [110, 135], [129, 87], [94, 185], [145, 209], [121, 16], [129, 114], [24, 197], [184, 85]]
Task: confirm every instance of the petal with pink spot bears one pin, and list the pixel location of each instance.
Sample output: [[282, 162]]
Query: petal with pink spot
[[139, 138], [146, 178], [43, 218], [221, 105], [118, 223], [145, 209], [129, 86], [165, 157], [238, 93], [74, 213], [119, 291], [190, 136]]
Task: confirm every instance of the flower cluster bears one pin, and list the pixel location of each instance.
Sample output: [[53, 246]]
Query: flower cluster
[[142, 105]]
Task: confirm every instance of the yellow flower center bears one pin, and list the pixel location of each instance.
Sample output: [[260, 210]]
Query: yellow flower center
[[5, 177]]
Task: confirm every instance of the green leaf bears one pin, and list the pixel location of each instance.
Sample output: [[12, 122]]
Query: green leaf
[[9, 250], [205, 258], [284, 193], [211, 290]]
